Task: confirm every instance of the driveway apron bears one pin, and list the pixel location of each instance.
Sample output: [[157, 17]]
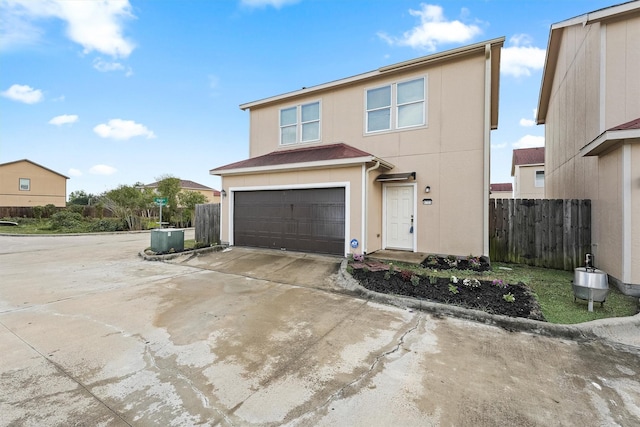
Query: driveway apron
[[91, 334]]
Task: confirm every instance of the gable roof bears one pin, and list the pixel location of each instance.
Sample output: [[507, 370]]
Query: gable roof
[[612, 137], [502, 186], [527, 156], [477, 48], [184, 183], [35, 164], [307, 157], [553, 46]]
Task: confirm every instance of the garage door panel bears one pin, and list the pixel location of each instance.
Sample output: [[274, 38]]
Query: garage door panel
[[308, 220]]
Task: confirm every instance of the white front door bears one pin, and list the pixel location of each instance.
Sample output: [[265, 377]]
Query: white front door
[[399, 221]]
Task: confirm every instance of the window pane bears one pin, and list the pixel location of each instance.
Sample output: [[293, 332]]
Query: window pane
[[25, 184], [311, 112], [539, 178], [378, 120], [311, 131], [288, 116], [378, 98], [411, 115], [288, 135], [411, 91]]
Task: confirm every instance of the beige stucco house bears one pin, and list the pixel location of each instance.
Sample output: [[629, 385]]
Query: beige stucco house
[[527, 170], [590, 106], [24, 183], [212, 195], [396, 158], [501, 190]]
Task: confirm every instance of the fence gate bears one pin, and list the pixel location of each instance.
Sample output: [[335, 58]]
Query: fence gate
[[549, 233], [208, 223]]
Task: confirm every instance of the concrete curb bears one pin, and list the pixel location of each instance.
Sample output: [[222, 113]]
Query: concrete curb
[[190, 252], [620, 332]]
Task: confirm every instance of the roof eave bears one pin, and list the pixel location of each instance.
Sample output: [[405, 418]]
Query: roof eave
[[424, 60], [321, 164], [608, 140]]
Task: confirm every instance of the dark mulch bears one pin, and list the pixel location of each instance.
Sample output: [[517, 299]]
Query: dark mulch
[[486, 297]]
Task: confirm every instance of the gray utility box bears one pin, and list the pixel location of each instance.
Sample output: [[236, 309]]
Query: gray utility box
[[167, 239]]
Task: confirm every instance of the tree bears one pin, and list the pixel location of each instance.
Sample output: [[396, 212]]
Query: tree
[[80, 198], [188, 200], [169, 187], [126, 202]]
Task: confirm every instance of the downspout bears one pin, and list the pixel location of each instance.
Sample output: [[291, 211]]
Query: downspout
[[487, 149], [365, 226]]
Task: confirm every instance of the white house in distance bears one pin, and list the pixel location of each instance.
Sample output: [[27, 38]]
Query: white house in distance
[[395, 158], [527, 170]]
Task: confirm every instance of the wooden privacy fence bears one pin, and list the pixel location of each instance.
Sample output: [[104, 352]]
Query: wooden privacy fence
[[546, 232], [208, 223]]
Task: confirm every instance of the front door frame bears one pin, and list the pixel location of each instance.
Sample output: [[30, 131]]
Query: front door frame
[[414, 187]]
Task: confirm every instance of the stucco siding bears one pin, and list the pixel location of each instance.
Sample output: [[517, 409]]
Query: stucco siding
[[608, 207], [526, 182]]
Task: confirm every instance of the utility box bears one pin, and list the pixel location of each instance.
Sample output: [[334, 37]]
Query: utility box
[[167, 240]]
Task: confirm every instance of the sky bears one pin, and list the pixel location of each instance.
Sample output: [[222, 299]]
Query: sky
[[118, 92]]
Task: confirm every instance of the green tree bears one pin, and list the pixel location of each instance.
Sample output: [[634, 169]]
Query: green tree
[[127, 203], [79, 197], [169, 187], [188, 201]]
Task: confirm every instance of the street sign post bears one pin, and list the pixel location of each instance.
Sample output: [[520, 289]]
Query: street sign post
[[160, 201]]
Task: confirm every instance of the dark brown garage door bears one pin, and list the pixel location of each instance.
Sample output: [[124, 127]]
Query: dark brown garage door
[[309, 220]]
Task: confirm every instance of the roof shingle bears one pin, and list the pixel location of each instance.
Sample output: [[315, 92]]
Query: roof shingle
[[527, 156]]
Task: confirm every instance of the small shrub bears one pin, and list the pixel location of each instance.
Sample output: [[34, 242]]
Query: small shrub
[[406, 275], [66, 220], [387, 275], [471, 283], [107, 225], [499, 283], [509, 297], [474, 262], [38, 211], [454, 280], [453, 289], [433, 280], [415, 280]]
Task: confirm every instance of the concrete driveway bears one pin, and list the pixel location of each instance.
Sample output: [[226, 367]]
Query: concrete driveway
[[91, 334]]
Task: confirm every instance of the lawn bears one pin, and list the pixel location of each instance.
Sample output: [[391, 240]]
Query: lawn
[[551, 288]]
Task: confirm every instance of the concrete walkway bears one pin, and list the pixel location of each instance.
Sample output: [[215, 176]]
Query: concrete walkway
[[91, 334]]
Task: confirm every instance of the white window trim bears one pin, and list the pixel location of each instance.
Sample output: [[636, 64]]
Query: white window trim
[[299, 123], [20, 184], [393, 122], [535, 179]]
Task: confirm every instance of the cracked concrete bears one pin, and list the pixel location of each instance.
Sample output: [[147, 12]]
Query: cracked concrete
[[90, 334]]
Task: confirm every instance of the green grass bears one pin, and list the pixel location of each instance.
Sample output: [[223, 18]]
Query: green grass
[[551, 287], [31, 227]]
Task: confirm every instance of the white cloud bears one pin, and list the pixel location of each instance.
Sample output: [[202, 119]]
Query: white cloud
[[498, 146], [23, 93], [263, 3], [74, 172], [122, 129], [95, 25], [434, 29], [527, 122], [520, 59], [529, 141], [102, 170], [63, 119]]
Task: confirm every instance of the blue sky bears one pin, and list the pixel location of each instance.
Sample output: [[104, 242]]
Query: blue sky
[[125, 91]]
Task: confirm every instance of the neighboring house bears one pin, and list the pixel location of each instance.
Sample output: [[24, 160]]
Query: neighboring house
[[212, 195], [527, 170], [24, 183], [502, 190], [396, 158], [590, 106]]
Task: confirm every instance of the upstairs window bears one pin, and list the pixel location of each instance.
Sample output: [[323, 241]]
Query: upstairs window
[[25, 184], [396, 106], [539, 178], [300, 123]]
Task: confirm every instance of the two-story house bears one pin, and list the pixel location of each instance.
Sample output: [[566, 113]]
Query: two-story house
[[24, 183], [212, 195], [590, 106], [527, 170], [396, 158]]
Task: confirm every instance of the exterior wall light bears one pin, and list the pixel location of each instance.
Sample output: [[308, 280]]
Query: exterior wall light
[[223, 194], [427, 189]]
